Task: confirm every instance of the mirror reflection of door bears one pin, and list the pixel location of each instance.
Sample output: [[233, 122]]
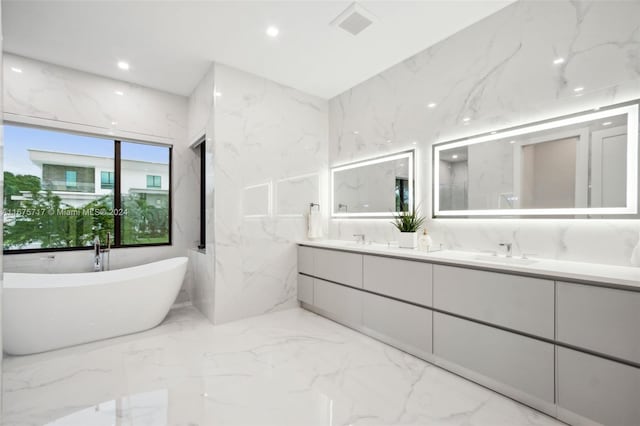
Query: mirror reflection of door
[[548, 174], [551, 171], [609, 167]]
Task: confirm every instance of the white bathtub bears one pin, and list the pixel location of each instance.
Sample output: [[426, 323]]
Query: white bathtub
[[41, 312]]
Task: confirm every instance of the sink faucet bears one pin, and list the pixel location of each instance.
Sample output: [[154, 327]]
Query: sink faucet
[[508, 247], [97, 261], [360, 238]]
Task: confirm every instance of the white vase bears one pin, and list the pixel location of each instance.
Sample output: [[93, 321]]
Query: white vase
[[408, 240]]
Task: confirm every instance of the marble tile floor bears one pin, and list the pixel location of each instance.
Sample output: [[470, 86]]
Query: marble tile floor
[[286, 368]]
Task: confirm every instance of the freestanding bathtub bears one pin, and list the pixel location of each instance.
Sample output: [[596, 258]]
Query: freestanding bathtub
[[49, 311]]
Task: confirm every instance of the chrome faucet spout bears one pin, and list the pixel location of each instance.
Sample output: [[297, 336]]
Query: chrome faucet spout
[[508, 247]]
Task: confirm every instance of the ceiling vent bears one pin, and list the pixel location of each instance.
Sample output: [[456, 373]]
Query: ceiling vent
[[354, 19]]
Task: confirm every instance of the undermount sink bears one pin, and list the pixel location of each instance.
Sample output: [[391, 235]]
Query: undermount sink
[[505, 260]]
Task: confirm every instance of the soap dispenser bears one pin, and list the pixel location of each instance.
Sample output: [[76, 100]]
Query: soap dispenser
[[425, 242]]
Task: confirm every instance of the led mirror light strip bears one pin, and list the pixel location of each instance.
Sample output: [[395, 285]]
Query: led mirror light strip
[[632, 166], [377, 160]]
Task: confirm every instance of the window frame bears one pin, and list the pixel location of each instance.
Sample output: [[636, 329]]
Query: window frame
[[71, 183], [153, 182], [117, 194], [202, 148], [110, 181]]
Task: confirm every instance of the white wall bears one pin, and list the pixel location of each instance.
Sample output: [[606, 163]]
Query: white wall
[[49, 95], [498, 72], [261, 136], [264, 132], [200, 123]]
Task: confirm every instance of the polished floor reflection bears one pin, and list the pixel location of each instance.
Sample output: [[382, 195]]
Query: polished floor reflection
[[285, 368]]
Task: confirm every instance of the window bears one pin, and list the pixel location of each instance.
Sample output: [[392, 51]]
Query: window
[[148, 218], [71, 178], [106, 180], [52, 200], [153, 181]]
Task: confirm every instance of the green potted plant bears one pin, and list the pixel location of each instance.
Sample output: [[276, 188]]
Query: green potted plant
[[408, 223]]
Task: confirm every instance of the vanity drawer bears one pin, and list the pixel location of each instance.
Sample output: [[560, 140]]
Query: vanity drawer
[[339, 266], [305, 260], [305, 289], [340, 303], [602, 319], [596, 388], [400, 324], [520, 303], [522, 363], [403, 279]]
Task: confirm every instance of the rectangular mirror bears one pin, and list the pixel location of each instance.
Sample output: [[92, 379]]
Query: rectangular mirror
[[584, 164], [373, 188]]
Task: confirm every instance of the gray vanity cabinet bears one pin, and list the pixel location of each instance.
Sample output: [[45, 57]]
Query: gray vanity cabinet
[[604, 320], [596, 388], [305, 260], [523, 364], [568, 349], [339, 302], [340, 267], [402, 279], [520, 303], [400, 324], [305, 289]]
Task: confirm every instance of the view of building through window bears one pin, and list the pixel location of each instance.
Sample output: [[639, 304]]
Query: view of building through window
[[59, 190], [145, 193]]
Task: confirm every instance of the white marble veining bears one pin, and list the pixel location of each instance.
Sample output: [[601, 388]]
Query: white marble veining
[[267, 160], [622, 276], [285, 368], [53, 96], [498, 72]]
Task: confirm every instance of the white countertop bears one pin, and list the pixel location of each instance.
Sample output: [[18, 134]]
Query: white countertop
[[611, 275]]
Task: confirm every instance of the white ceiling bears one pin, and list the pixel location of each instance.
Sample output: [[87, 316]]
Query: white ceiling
[[170, 44]]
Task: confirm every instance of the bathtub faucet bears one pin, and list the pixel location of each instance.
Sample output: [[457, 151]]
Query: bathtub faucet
[[97, 261], [107, 251]]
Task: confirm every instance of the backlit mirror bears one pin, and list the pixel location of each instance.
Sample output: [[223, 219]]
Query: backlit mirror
[[377, 187], [584, 164]]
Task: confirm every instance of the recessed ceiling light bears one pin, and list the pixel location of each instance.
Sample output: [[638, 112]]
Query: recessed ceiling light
[[415, 142], [18, 70], [432, 105], [512, 142], [123, 65], [113, 123], [466, 119], [578, 89], [273, 31], [217, 94], [454, 156], [388, 140], [355, 132], [558, 61], [607, 123], [119, 93]]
